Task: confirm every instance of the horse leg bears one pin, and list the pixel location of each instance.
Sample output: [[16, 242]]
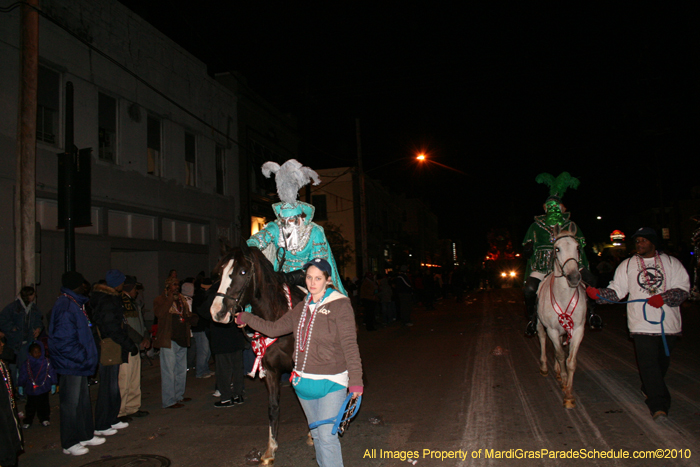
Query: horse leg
[[272, 382], [559, 355], [543, 348], [569, 401]]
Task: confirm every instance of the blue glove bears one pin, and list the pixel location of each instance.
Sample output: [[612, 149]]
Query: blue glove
[[20, 390], [53, 389]]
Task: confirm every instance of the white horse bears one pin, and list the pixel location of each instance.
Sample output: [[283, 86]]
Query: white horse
[[561, 307]]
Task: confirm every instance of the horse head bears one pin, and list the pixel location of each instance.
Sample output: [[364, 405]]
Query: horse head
[[237, 271], [567, 253]]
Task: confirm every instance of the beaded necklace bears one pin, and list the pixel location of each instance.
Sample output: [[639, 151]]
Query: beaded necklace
[[304, 339], [8, 382], [82, 308], [31, 375], [658, 264]]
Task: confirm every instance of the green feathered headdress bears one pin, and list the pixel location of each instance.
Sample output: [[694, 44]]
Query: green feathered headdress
[[558, 186]]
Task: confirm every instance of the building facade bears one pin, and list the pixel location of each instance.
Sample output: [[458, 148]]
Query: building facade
[[165, 150]]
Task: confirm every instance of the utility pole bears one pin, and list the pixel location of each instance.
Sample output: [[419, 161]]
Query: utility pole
[[25, 191], [363, 201]]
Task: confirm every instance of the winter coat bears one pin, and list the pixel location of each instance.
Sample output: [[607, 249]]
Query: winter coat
[[17, 325], [43, 374], [108, 315], [333, 342], [161, 308], [73, 349]]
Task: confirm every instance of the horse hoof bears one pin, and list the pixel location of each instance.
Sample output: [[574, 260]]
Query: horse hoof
[[269, 461], [569, 404], [544, 373]]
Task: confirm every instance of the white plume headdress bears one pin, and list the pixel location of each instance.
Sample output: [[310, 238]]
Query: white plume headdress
[[290, 177]]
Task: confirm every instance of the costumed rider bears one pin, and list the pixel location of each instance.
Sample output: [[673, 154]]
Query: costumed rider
[[539, 246], [292, 240]]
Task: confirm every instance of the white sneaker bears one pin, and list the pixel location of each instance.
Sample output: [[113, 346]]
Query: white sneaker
[[120, 425], [95, 441], [216, 393], [46, 423], [76, 450], [107, 432]]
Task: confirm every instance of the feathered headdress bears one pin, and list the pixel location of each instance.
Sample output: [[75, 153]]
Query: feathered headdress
[[558, 186], [290, 177]]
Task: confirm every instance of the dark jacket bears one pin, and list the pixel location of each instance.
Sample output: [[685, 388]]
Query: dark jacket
[[10, 432], [223, 338], [41, 377], [108, 315], [161, 309], [73, 350], [17, 325]]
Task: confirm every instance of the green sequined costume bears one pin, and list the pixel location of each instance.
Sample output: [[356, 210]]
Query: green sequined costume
[[542, 238]]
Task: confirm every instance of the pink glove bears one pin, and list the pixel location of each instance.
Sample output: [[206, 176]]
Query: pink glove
[[656, 301], [593, 293]]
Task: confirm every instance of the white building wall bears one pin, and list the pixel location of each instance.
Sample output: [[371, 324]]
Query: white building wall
[[159, 78]]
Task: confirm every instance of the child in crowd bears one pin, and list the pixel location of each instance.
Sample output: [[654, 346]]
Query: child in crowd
[[37, 378], [10, 433]]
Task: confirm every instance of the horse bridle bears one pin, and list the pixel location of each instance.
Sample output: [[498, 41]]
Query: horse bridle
[[556, 258], [237, 300]]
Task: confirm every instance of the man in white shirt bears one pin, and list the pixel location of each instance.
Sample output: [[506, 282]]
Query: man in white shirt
[[663, 283]]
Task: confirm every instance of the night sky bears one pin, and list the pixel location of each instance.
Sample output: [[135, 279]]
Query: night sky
[[500, 91]]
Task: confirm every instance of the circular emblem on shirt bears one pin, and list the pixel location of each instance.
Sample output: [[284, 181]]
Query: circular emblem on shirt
[[650, 279]]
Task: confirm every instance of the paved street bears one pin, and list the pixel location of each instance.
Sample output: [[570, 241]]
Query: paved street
[[464, 378]]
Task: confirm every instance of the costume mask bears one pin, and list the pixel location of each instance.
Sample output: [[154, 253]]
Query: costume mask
[[554, 214]]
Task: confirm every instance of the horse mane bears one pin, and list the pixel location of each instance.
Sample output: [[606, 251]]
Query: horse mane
[[269, 286]]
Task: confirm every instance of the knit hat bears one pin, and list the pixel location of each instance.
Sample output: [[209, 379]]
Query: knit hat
[[114, 278], [72, 280], [320, 263], [129, 283], [648, 233], [188, 289]]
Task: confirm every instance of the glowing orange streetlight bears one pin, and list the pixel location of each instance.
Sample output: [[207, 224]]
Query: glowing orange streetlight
[[420, 157]]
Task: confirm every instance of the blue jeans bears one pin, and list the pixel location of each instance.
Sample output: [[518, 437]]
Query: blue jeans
[[173, 373], [203, 353], [327, 446], [76, 410]]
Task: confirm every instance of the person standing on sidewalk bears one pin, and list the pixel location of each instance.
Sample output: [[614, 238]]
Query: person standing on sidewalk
[[130, 370], [10, 433], [21, 323], [74, 354], [173, 338], [108, 315]]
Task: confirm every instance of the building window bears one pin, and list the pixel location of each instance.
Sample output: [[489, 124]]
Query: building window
[[48, 98], [319, 202], [107, 127], [154, 160], [190, 159], [220, 169]]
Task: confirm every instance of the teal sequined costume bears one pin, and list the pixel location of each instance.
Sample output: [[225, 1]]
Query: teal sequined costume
[[310, 241], [542, 238]]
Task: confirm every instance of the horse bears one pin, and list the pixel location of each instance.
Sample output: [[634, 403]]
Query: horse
[[561, 307], [248, 277]]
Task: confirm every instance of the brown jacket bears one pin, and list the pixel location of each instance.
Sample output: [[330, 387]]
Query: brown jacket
[[161, 308], [333, 343]]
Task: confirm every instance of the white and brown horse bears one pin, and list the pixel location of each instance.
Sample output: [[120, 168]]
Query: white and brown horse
[[248, 277], [561, 307]]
